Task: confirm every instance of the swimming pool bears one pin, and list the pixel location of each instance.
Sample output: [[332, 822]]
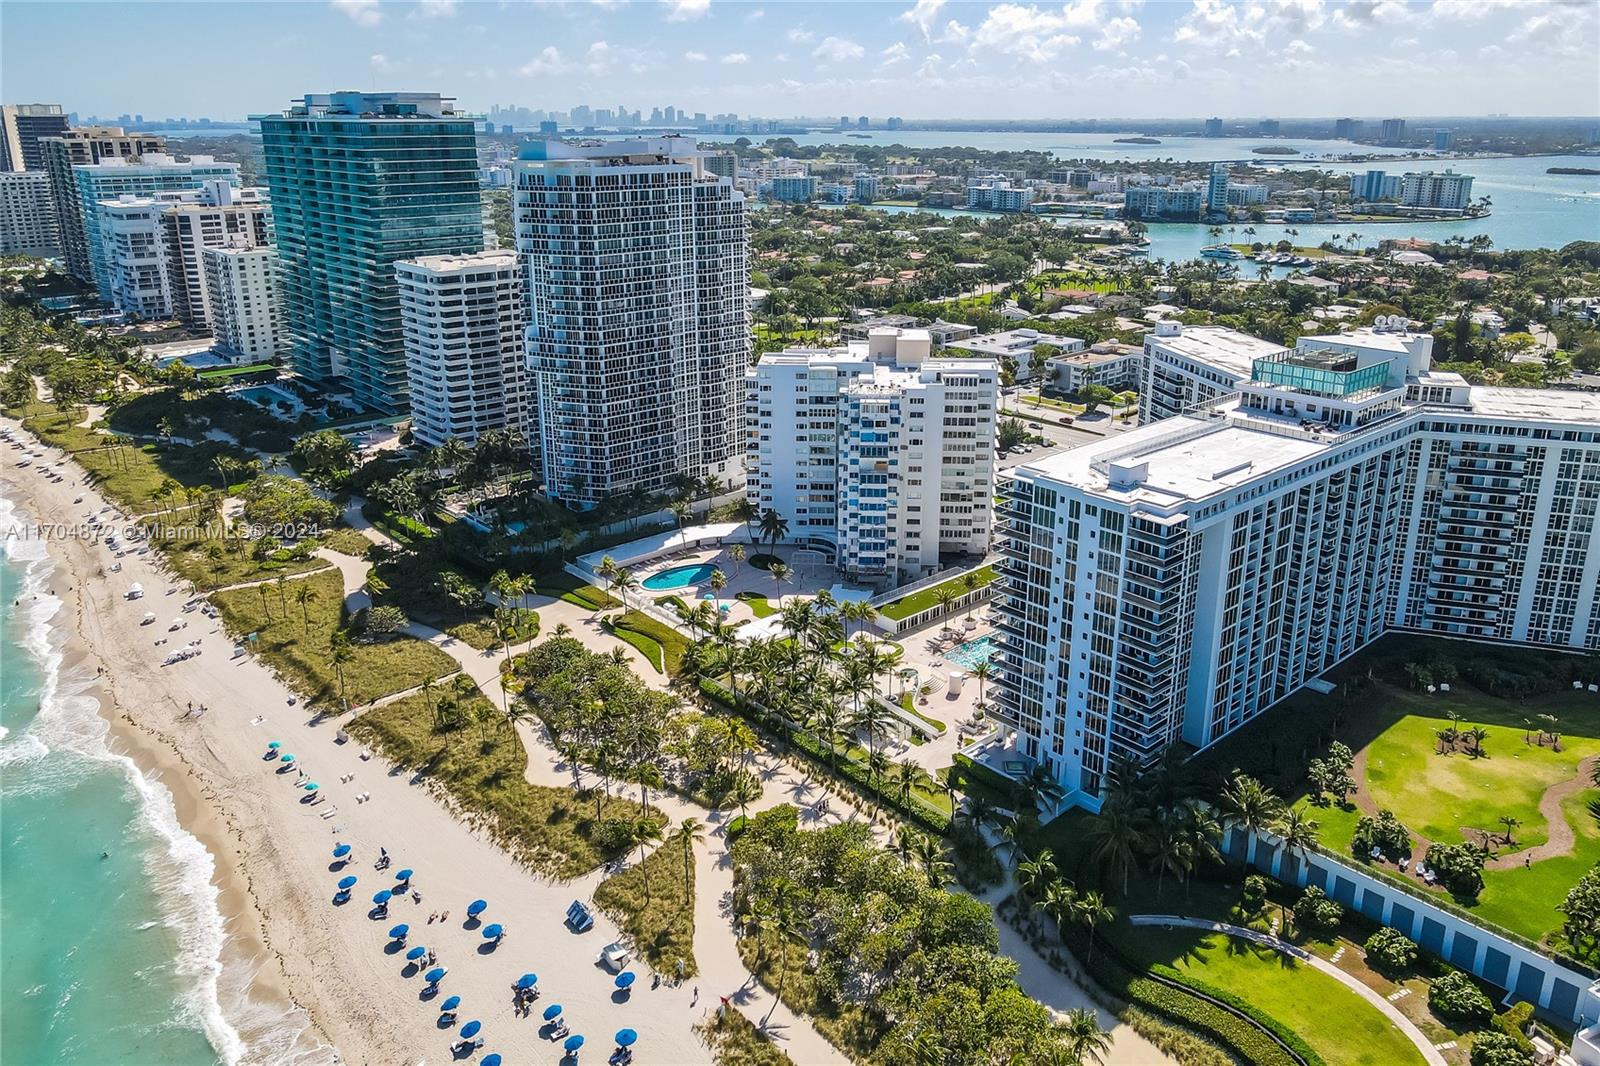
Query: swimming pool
[[679, 577], [972, 652]]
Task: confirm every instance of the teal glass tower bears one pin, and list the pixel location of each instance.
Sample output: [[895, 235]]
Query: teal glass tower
[[360, 181]]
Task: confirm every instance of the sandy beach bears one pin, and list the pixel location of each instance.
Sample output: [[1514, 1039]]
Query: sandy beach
[[291, 952]]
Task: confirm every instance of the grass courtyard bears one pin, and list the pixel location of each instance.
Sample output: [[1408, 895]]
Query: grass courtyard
[[1448, 798]]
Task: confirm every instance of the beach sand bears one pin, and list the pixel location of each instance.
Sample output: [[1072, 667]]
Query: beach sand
[[288, 944]]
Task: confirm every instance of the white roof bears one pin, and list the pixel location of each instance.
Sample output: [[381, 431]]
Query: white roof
[[1553, 405], [1220, 347]]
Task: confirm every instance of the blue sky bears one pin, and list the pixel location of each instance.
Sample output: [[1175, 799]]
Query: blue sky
[[921, 59]]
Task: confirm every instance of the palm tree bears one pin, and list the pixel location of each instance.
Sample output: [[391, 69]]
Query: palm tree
[[929, 854], [944, 596], [719, 581], [780, 574], [982, 671], [1251, 806], [1041, 788], [305, 595], [774, 527], [787, 924], [648, 775], [1298, 832], [339, 653], [1083, 1039], [1037, 873], [1056, 899], [736, 556], [1116, 835], [690, 833], [607, 569], [645, 831], [1510, 822], [625, 582], [429, 689], [1091, 911], [908, 778]]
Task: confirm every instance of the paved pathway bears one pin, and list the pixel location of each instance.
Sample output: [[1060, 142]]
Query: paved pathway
[[1429, 1053]]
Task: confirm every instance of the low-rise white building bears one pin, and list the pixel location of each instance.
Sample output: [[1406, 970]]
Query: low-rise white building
[[1188, 365], [1115, 365], [1015, 347], [875, 453], [246, 303], [462, 316]]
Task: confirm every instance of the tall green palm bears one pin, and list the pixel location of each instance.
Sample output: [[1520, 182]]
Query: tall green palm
[[780, 574], [1116, 836], [736, 556], [1251, 806], [910, 777], [1083, 1038], [305, 596], [1090, 912], [340, 652], [1035, 874], [690, 833], [719, 581], [646, 831], [1057, 899], [1299, 833], [774, 527], [930, 856]]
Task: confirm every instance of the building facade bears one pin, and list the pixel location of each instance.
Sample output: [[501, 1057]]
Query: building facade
[[22, 126], [152, 174], [792, 188], [998, 196], [27, 217], [77, 147], [1189, 365], [463, 317], [1374, 185], [132, 274], [638, 271], [1449, 191], [359, 182], [245, 302], [1177, 582], [218, 216], [875, 453], [1158, 201]]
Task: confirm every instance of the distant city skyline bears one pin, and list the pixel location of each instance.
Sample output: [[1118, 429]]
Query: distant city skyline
[[928, 59]]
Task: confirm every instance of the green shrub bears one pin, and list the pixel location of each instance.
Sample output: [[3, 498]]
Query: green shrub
[[1315, 912], [1513, 1022], [1390, 951], [1459, 868], [1384, 833], [1254, 893], [1498, 1049], [1457, 998]]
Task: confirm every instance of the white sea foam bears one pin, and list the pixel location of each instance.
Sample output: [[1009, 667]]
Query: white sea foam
[[178, 865]]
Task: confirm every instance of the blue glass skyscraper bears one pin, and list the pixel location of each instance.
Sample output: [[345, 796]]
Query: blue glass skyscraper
[[360, 181]]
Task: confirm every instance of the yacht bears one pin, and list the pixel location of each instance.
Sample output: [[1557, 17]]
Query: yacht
[[1221, 251]]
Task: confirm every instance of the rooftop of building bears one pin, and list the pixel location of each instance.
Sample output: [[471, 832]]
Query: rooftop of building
[[450, 263], [1008, 341], [635, 151], [1217, 346], [1553, 405]]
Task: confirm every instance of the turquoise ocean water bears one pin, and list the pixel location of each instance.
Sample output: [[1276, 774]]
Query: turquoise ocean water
[[106, 960]]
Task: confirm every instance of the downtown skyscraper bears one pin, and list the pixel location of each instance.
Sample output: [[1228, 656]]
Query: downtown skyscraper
[[360, 181], [639, 299]]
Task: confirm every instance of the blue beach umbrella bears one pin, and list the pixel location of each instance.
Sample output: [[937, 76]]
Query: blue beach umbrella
[[450, 1004], [399, 931], [347, 883], [403, 876], [273, 745], [492, 931], [552, 1012], [477, 906], [625, 979], [341, 851], [626, 1037], [382, 897], [490, 1060], [574, 1042], [435, 975], [311, 786], [286, 758], [527, 980], [471, 1028], [416, 953]]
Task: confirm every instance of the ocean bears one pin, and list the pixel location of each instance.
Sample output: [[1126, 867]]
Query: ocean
[[112, 933]]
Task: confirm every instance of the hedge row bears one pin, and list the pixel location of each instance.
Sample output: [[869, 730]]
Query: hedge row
[[855, 771], [988, 775]]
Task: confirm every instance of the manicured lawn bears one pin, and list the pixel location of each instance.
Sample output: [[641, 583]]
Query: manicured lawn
[[1343, 1028], [296, 643], [923, 599], [223, 373], [661, 645], [660, 923], [760, 606], [483, 770], [1523, 899]]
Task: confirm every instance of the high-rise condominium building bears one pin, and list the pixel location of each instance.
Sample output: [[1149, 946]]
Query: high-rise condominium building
[[463, 317], [75, 147], [1188, 365], [217, 216], [875, 453], [1449, 190], [113, 179], [27, 219], [246, 305], [1393, 130], [21, 127], [359, 182], [639, 306], [1176, 581]]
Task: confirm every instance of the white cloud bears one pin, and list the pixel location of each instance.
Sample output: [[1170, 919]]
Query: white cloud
[[736, 58], [378, 61], [1362, 14], [921, 15], [1035, 34], [695, 57], [1298, 47], [361, 12], [838, 50], [930, 66], [954, 33], [1117, 34], [1222, 25], [599, 56], [436, 9], [755, 16], [895, 53], [800, 36], [548, 61], [686, 10]]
